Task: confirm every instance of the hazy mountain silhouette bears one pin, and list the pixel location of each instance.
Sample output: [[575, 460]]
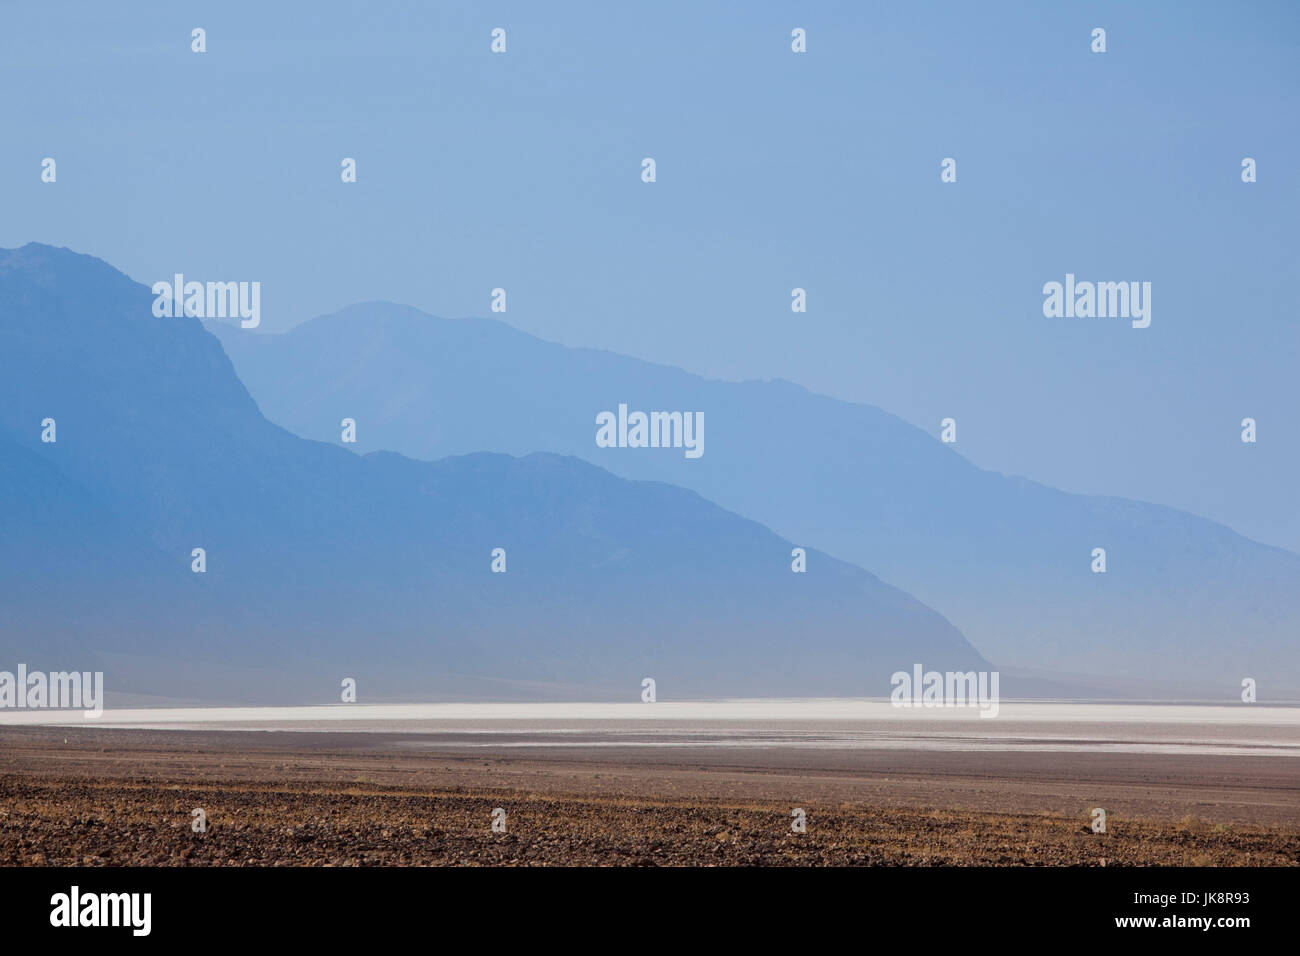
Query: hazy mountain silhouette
[[323, 564], [1184, 603]]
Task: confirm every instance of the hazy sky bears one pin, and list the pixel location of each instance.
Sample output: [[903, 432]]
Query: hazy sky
[[775, 170]]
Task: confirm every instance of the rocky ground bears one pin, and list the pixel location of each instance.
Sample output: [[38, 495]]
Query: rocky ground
[[127, 797], [70, 822]]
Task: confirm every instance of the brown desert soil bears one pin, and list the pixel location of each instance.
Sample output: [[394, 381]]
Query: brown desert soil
[[114, 797]]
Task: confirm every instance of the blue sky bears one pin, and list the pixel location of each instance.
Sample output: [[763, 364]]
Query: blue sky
[[775, 170]]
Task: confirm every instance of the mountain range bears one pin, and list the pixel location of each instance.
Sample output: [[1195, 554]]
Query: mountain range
[[1184, 605], [321, 564]]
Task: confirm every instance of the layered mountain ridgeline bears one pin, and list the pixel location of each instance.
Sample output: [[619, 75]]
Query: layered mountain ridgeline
[[1185, 605], [322, 564]]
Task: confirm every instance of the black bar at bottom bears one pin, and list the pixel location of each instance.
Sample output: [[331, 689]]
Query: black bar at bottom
[[931, 908]]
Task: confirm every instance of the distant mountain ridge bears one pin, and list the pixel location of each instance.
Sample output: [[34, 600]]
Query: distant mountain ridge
[[1184, 601], [322, 564]]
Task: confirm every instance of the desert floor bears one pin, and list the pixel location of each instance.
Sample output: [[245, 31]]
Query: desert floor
[[111, 796]]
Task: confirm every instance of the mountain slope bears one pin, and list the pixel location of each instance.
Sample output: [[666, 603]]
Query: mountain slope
[[323, 564], [1184, 602]]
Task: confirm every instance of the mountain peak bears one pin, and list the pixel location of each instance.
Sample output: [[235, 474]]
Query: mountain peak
[[318, 563]]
